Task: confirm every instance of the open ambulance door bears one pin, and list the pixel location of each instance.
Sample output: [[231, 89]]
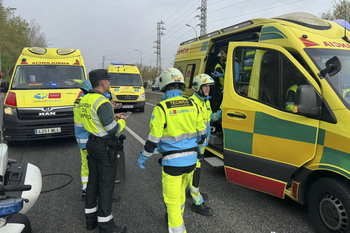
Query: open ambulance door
[[264, 143]]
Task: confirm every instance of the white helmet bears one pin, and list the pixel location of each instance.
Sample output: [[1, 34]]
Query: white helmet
[[170, 76], [200, 80]]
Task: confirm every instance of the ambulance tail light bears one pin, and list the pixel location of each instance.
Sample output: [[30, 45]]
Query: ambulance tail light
[[10, 108], [11, 99]]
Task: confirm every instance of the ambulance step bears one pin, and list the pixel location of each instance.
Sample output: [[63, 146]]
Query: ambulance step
[[214, 161]]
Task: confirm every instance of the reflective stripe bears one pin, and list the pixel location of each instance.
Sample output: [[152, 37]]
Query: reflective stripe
[[180, 229], [78, 124], [90, 211], [180, 137], [100, 134], [153, 139], [84, 178], [79, 140], [207, 123], [178, 155], [111, 125], [104, 219], [202, 132], [84, 186], [147, 154]]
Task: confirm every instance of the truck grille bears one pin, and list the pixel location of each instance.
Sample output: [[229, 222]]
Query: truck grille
[[127, 97], [45, 113]]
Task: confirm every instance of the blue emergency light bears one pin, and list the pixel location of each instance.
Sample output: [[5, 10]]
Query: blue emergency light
[[53, 84], [117, 64], [117, 89], [10, 206]]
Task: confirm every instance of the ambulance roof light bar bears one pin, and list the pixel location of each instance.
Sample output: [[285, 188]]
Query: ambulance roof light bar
[[305, 19]]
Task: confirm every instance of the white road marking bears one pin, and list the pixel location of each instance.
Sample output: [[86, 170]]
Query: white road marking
[[150, 104], [138, 138]]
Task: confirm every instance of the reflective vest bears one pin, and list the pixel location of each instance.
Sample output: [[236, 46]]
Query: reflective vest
[[88, 111], [221, 79], [290, 97], [81, 135], [345, 91], [205, 109], [174, 126]]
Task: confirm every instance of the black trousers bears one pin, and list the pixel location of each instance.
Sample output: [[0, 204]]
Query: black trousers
[[99, 192]]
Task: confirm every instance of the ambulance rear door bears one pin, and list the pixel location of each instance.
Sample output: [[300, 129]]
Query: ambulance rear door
[[264, 143]]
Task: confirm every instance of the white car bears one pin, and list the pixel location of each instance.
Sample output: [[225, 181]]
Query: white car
[[155, 85]]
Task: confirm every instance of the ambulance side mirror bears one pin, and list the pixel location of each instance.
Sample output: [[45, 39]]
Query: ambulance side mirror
[[333, 66], [307, 101], [4, 86]]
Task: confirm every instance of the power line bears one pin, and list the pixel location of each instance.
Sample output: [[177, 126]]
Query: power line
[[224, 8], [254, 12]]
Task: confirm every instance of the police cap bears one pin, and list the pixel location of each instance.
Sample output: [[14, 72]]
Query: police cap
[[98, 74]]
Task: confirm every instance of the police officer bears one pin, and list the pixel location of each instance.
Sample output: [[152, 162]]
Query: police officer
[[201, 86], [82, 135], [175, 124], [103, 145]]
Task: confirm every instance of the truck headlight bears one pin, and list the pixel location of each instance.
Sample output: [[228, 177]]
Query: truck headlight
[[142, 96], [10, 111]]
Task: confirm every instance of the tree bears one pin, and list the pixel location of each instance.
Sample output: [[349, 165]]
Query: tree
[[15, 34], [37, 38], [340, 10]]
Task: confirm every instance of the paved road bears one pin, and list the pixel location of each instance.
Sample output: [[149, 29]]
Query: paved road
[[236, 209]]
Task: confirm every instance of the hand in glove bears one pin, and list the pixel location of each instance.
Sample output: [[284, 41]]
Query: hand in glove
[[217, 74], [141, 160]]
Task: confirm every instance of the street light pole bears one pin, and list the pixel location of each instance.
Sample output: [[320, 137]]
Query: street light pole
[[193, 28], [140, 54]]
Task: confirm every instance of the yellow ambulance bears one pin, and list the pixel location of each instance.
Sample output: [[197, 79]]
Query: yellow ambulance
[[41, 93], [285, 110], [126, 86]]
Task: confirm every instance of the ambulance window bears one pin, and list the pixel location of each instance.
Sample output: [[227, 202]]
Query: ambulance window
[[190, 69], [266, 76]]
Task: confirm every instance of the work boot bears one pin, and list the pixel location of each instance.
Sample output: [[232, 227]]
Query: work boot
[[91, 227], [202, 209], [116, 229], [83, 195]]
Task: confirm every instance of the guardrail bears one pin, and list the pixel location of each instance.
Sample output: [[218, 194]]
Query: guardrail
[[153, 96]]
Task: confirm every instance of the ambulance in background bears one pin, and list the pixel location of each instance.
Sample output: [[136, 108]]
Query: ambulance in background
[[41, 93], [127, 86], [297, 147]]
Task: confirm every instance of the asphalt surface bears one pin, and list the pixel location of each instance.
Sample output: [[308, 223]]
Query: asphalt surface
[[141, 209]]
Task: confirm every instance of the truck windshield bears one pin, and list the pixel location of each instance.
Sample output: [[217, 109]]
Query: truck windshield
[[341, 81], [47, 77], [123, 79]]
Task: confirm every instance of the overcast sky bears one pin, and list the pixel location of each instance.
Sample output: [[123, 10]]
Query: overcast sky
[[114, 28]]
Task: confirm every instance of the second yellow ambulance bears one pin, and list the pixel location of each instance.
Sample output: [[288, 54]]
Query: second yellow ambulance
[[285, 109]]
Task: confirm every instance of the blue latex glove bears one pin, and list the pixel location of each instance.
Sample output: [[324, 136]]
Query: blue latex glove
[[217, 74], [141, 160]]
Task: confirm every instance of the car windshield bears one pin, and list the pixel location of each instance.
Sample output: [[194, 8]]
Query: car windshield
[[47, 77], [123, 79], [341, 81]]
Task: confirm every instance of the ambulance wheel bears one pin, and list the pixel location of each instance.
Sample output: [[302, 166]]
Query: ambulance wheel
[[329, 205]]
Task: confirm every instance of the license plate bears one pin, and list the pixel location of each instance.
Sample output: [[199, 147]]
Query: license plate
[[127, 106], [48, 130]]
